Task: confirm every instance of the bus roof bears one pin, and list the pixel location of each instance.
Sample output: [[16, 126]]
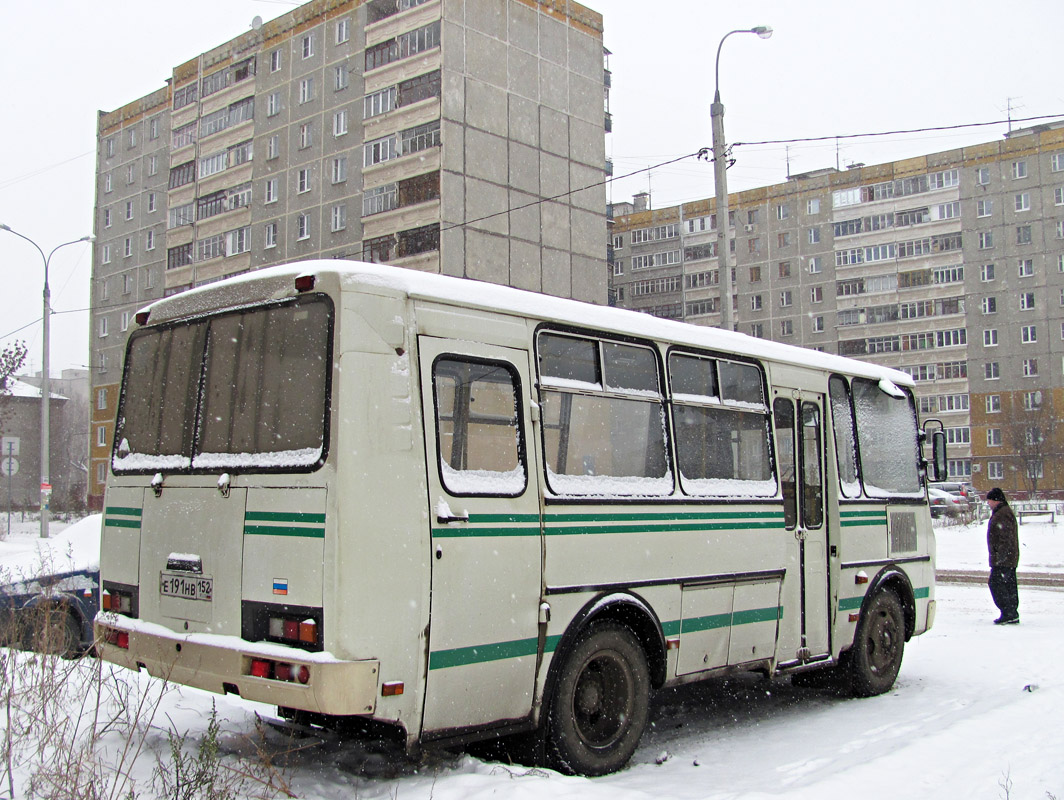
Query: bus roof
[[264, 283]]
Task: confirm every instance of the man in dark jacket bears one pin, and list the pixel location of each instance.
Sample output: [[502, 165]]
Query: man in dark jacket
[[1003, 542]]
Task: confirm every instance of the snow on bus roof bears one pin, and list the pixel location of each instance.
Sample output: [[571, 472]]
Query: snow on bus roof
[[506, 299]]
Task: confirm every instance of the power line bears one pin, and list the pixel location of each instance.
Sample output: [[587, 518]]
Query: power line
[[896, 132]]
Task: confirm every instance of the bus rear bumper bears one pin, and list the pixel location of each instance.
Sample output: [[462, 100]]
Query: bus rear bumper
[[259, 671]]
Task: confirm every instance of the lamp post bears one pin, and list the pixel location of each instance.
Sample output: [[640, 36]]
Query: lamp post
[[46, 394], [716, 113]]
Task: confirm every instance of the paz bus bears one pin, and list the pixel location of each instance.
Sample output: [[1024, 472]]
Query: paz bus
[[469, 511]]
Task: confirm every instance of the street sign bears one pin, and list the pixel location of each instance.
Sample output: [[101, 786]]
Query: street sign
[[9, 466]]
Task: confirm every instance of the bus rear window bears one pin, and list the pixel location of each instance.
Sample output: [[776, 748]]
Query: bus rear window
[[243, 390]]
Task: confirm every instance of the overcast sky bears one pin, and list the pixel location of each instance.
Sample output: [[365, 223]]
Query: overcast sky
[[831, 68]]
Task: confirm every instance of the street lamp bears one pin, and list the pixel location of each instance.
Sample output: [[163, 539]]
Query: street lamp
[[716, 113], [46, 393]]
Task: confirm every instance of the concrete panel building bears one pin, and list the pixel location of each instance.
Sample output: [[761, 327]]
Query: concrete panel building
[[949, 266], [457, 136]]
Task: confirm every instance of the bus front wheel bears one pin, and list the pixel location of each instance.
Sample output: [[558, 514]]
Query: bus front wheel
[[599, 706], [878, 646]]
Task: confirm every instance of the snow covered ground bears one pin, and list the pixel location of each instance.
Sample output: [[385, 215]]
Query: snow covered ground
[[976, 712]]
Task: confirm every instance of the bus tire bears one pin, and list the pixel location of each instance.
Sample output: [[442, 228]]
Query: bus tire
[[600, 703], [878, 646]]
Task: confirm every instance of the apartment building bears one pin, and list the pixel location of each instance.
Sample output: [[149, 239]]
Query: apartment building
[[451, 136], [949, 267]]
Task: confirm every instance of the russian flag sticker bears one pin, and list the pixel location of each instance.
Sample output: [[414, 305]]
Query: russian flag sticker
[[280, 585]]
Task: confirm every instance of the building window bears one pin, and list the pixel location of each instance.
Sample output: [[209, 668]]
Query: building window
[[273, 104], [103, 327], [993, 404], [1027, 301], [419, 240], [986, 240], [153, 165], [755, 274], [993, 437], [991, 370], [812, 206], [275, 61], [783, 239], [307, 45], [783, 211], [127, 283], [303, 226], [339, 217], [813, 235], [273, 147], [786, 298], [1023, 234], [343, 30], [303, 180], [1030, 367], [984, 208], [994, 470], [306, 90], [379, 150], [305, 136], [151, 202], [340, 77], [1029, 334], [786, 327], [982, 175], [211, 247], [129, 209], [180, 256], [815, 265], [149, 240], [818, 324], [270, 193], [340, 123], [816, 294], [378, 103], [784, 269], [1023, 201], [990, 337], [238, 241], [1025, 267], [128, 247], [269, 235], [1019, 169], [989, 305], [149, 278], [755, 302], [1056, 162], [339, 169], [1032, 401], [986, 273]]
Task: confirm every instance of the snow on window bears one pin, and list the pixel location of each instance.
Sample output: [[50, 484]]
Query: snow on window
[[886, 435]]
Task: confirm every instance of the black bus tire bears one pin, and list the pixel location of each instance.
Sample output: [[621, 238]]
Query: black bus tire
[[600, 703], [878, 646]]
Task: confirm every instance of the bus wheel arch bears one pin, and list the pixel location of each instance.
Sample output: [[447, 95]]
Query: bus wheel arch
[[895, 580]]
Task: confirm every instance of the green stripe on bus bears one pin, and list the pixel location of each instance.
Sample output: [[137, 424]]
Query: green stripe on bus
[[284, 516], [922, 593], [876, 512], [279, 530], [566, 530], [850, 603], [463, 656], [471, 532], [122, 523], [124, 511], [649, 515]]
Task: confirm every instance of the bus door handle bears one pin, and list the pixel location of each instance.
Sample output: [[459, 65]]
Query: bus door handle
[[447, 519], [800, 534]]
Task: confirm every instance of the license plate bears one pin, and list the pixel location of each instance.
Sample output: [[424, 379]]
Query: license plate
[[186, 586]]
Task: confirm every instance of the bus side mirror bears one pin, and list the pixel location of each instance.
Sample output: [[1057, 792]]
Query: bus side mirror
[[938, 456]]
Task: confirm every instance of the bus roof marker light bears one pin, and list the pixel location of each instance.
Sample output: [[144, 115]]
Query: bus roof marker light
[[304, 283], [142, 317]]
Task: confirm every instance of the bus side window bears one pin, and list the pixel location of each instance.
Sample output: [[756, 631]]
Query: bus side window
[[481, 444], [783, 414], [845, 436], [812, 474]]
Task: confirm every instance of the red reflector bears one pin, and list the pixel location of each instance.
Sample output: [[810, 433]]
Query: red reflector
[[304, 674], [142, 317], [392, 688], [260, 668], [860, 578], [123, 640], [854, 616], [291, 629], [304, 283], [283, 672]]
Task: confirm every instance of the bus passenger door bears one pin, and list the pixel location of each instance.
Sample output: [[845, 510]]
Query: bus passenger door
[[800, 443], [484, 513]]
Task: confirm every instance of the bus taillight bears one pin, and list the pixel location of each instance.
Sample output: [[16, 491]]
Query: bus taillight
[[289, 629], [119, 600], [117, 638], [279, 671]]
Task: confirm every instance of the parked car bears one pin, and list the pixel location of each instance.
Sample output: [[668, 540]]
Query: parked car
[[50, 591], [945, 504], [52, 613], [958, 489]]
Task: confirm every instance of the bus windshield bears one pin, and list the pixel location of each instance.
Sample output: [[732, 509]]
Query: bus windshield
[[245, 389]]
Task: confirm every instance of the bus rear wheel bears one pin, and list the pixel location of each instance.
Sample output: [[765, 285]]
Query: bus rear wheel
[[600, 704], [878, 647]]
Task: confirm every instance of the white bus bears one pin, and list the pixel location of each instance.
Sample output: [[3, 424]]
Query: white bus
[[466, 511]]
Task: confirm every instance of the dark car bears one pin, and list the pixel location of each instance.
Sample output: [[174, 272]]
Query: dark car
[[51, 613]]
